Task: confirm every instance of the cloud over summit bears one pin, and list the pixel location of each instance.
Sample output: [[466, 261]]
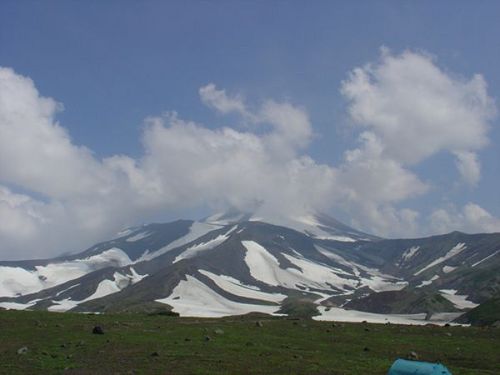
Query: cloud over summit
[[56, 195]]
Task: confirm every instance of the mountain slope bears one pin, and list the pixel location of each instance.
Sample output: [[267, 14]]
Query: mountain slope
[[234, 264]]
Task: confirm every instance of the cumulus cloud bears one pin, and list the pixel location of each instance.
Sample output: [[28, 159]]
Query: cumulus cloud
[[471, 218], [410, 110], [184, 165], [57, 196], [221, 102], [418, 110]]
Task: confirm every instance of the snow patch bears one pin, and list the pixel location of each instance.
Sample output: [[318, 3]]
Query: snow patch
[[196, 231], [428, 282], [265, 267], [409, 253], [460, 301], [377, 281], [194, 250], [448, 269], [104, 288], [193, 298], [18, 281], [18, 306], [138, 236], [342, 315], [237, 288], [457, 249]]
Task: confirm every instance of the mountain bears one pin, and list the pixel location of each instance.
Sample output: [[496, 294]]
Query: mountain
[[234, 263]]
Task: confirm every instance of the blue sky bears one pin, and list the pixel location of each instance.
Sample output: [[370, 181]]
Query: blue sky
[[113, 64]]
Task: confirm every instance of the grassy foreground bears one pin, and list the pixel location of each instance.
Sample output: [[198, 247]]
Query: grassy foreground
[[142, 344]]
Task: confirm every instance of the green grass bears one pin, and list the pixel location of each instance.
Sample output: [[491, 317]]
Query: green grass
[[63, 343]]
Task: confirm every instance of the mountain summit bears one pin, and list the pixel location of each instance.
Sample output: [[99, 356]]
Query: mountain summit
[[234, 263]]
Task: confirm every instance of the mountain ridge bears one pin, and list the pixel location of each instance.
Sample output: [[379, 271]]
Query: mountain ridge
[[220, 267]]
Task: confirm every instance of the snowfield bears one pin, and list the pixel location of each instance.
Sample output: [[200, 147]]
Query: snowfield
[[18, 281], [265, 267], [104, 288], [237, 288], [193, 298], [342, 315]]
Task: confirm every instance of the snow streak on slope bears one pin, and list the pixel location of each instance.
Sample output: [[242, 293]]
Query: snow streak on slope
[[448, 269], [18, 281], [193, 298], [265, 267], [457, 249], [408, 254], [192, 251], [138, 236], [237, 288], [428, 282], [460, 301], [104, 288], [488, 257], [196, 230], [375, 280]]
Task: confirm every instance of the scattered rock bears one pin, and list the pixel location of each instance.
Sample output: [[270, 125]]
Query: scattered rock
[[98, 330], [367, 329], [22, 350], [296, 356], [448, 334], [447, 325], [413, 356], [219, 331], [496, 324], [187, 339], [208, 338], [80, 343], [155, 354], [366, 349], [258, 323]]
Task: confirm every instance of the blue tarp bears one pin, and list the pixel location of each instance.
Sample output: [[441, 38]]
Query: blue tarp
[[404, 367]]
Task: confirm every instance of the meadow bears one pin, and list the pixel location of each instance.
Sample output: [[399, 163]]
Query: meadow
[[35, 342]]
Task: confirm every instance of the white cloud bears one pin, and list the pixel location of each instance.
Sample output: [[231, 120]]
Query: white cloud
[[412, 110], [70, 198], [471, 218], [220, 101], [184, 165], [469, 167], [418, 110]]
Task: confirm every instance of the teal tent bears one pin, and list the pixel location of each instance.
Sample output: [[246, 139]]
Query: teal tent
[[404, 367]]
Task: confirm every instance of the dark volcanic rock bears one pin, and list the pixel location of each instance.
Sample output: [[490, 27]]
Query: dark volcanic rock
[[98, 330]]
